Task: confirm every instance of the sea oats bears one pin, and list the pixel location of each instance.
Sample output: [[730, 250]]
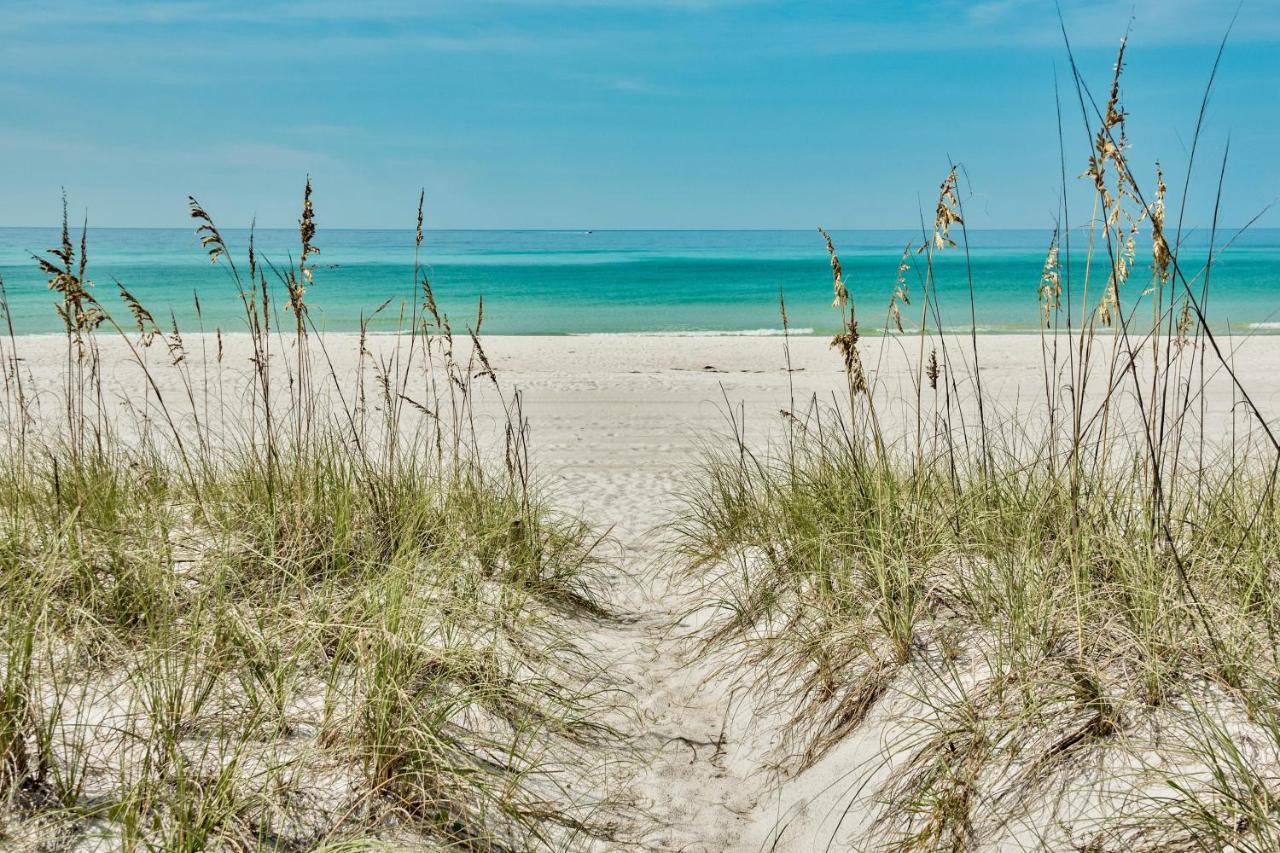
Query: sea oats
[[901, 289], [1050, 290], [1185, 322], [174, 342], [837, 273], [1119, 225], [307, 232], [487, 371], [1161, 257], [417, 239], [78, 310], [210, 238], [847, 340], [147, 327], [947, 212], [296, 284]]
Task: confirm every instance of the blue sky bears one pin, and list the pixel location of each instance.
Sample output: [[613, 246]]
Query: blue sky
[[634, 113]]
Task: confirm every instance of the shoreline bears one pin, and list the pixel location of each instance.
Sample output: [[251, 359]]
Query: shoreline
[[630, 352], [868, 333]]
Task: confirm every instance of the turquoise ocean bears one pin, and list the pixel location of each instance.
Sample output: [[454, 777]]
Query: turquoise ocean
[[591, 282]]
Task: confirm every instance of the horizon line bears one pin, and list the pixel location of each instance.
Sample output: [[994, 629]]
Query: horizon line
[[587, 229]]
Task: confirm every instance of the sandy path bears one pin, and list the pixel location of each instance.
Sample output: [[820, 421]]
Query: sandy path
[[614, 430], [620, 469]]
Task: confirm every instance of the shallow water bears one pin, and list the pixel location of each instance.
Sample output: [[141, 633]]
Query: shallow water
[[583, 282]]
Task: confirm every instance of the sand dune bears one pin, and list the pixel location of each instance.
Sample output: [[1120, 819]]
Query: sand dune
[[616, 423]]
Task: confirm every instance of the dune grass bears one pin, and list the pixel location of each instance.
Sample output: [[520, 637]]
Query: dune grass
[[1075, 604], [275, 607]]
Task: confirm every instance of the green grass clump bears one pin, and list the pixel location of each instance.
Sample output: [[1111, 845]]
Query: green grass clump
[[1054, 596], [1059, 611], [314, 617]]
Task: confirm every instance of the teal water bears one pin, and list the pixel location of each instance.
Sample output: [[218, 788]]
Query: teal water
[[575, 282]]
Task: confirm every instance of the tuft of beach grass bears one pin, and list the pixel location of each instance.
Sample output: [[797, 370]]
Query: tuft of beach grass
[[306, 620], [1068, 615]]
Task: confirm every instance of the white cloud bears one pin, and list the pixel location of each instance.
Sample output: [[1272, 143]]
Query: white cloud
[[504, 25], [30, 15]]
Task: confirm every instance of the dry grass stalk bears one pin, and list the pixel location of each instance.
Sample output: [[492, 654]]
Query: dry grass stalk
[[947, 213], [1050, 290], [901, 290], [847, 340]]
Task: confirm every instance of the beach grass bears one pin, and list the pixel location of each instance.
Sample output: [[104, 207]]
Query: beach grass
[[1065, 611], [277, 608]]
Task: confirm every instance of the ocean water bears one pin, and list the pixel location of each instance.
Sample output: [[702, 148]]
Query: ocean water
[[601, 282]]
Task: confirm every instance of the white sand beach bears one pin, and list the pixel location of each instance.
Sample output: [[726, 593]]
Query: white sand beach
[[616, 422]]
